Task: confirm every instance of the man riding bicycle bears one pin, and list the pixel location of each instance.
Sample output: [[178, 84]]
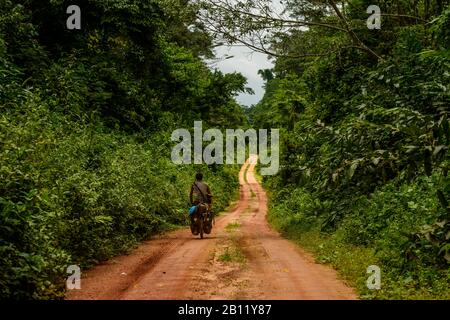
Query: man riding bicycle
[[200, 192], [201, 200]]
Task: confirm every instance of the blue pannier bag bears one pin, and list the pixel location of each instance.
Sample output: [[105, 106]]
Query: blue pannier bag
[[192, 210]]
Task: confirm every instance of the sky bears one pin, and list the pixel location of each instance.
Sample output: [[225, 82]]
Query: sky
[[248, 63]]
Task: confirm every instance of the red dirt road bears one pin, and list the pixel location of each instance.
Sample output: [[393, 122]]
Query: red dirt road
[[243, 258]]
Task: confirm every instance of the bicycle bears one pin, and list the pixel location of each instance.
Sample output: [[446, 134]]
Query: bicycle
[[201, 220]]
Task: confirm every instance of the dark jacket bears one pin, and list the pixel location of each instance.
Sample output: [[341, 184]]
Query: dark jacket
[[200, 193]]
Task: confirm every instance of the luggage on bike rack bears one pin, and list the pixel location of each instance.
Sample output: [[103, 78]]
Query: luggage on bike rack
[[208, 222], [202, 220]]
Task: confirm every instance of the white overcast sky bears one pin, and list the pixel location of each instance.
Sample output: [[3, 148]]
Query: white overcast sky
[[248, 63]]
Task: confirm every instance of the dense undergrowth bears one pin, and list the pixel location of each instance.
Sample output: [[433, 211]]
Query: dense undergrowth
[[395, 228], [364, 156], [73, 194], [85, 133]]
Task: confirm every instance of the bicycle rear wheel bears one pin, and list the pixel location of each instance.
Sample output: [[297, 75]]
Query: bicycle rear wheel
[[201, 227]]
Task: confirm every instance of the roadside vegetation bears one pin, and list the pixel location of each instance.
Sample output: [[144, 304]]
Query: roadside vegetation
[[364, 155], [85, 132]]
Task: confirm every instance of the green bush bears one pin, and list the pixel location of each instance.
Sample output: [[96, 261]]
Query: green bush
[[85, 132], [364, 148], [401, 227], [73, 193]]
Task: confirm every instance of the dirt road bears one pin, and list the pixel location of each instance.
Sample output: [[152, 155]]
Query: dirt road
[[243, 258]]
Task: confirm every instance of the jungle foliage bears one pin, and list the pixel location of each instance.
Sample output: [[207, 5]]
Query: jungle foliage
[[364, 155], [85, 123]]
